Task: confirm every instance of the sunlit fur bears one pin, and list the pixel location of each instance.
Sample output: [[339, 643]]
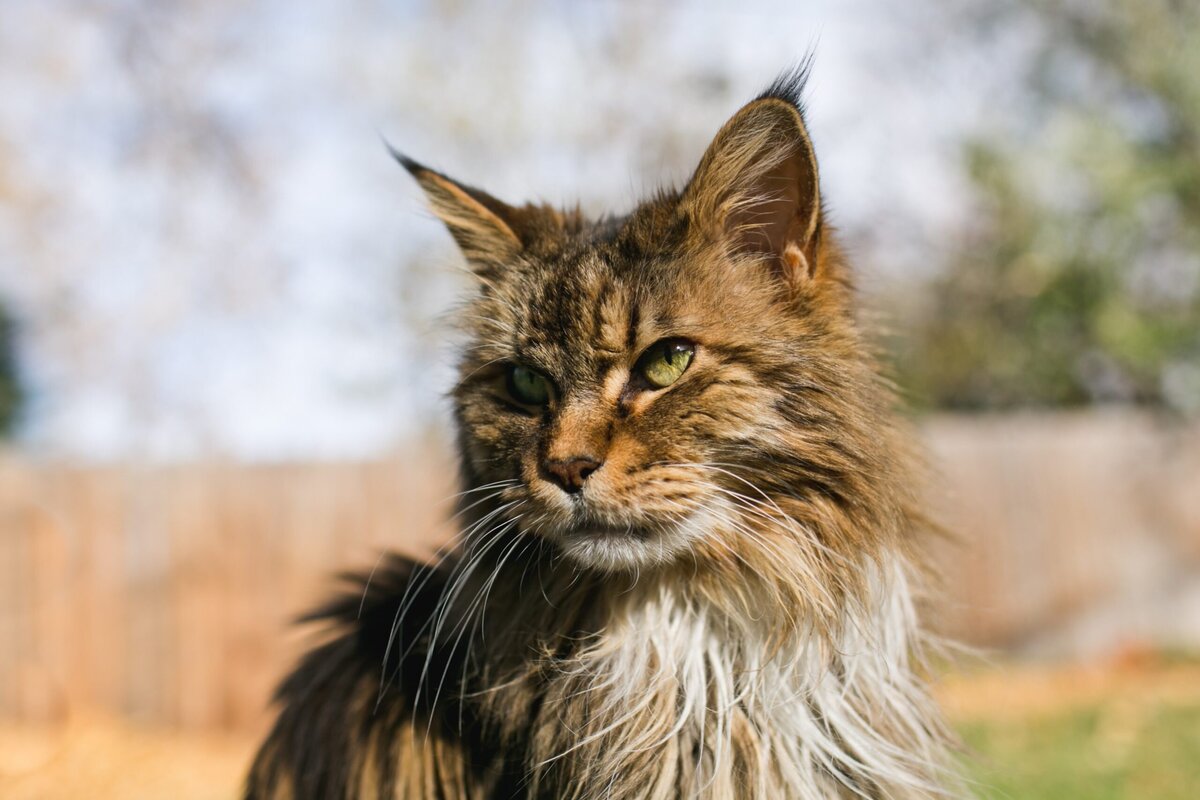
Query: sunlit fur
[[727, 608]]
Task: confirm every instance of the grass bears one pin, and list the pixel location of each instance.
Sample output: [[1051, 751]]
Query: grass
[[1095, 753], [1122, 731]]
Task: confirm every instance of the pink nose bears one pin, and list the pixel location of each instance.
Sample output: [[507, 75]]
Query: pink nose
[[570, 473]]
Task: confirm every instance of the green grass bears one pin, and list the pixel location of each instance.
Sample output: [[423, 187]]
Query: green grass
[[1110, 752]]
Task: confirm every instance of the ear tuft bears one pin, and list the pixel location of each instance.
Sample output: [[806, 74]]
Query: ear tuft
[[401, 159], [789, 86]]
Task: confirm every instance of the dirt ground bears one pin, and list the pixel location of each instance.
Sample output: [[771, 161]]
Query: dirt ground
[[106, 759], [1135, 678]]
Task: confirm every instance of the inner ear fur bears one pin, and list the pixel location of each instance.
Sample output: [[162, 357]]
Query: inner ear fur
[[758, 188]]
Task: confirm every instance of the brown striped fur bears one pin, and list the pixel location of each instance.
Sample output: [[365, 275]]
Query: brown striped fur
[[726, 608]]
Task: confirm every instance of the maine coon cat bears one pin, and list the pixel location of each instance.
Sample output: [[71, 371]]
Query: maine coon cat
[[690, 547]]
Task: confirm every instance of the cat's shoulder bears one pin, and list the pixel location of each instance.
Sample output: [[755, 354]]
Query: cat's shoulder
[[362, 679]]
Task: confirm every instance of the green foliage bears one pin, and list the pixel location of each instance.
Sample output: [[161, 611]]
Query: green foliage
[[1079, 280], [10, 385]]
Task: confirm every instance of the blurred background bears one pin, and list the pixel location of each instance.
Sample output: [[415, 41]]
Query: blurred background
[[224, 339]]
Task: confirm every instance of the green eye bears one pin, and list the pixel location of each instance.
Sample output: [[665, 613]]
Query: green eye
[[528, 387], [665, 361]]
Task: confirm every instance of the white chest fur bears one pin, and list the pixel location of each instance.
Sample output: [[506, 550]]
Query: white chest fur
[[675, 698]]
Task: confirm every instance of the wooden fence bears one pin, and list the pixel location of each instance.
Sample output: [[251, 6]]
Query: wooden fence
[[1079, 533], [163, 594]]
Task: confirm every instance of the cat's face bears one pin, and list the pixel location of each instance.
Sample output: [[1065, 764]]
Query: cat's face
[[609, 387], [637, 391]]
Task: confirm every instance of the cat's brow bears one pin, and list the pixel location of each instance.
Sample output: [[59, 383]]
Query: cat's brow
[[635, 313], [608, 353], [610, 303]]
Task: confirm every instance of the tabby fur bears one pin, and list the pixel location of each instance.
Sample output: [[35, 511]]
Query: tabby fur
[[728, 607]]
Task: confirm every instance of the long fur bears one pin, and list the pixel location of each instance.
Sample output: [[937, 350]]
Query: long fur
[[729, 609]]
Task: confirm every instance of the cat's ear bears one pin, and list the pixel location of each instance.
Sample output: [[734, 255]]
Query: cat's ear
[[757, 188], [485, 229]]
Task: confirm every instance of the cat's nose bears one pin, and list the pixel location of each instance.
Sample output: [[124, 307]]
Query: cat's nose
[[570, 473]]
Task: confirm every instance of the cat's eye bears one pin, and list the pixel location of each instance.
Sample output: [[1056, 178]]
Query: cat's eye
[[528, 386], [665, 362]]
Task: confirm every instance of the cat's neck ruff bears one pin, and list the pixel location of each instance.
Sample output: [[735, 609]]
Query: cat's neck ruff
[[675, 695]]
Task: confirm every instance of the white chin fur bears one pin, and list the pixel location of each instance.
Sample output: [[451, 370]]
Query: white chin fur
[[609, 552]]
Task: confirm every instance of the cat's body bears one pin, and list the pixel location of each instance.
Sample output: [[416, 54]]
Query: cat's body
[[689, 538]]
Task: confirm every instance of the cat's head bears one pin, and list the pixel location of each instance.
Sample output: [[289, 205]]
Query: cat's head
[[684, 382]]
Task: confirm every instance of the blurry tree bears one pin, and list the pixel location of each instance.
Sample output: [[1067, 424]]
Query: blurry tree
[[1078, 279], [10, 384]]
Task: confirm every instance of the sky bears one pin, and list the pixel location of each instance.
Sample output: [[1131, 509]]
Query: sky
[[210, 254]]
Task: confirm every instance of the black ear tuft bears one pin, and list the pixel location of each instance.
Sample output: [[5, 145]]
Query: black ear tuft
[[789, 86], [409, 164]]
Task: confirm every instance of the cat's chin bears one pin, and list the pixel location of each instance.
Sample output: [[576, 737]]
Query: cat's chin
[[620, 549]]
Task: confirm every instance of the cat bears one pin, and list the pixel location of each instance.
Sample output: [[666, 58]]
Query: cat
[[691, 549]]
